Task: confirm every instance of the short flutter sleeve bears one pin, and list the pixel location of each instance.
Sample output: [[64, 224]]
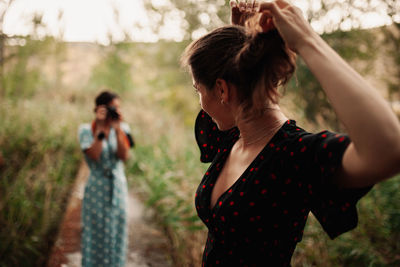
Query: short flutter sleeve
[[127, 130], [209, 138], [334, 207], [85, 136]]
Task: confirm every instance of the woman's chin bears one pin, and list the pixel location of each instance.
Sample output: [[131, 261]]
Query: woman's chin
[[223, 127]]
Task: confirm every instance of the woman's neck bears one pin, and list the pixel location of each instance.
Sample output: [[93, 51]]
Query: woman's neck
[[256, 131]]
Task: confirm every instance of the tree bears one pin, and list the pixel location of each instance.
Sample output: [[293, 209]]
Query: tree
[[327, 15], [353, 44], [4, 7], [196, 16]]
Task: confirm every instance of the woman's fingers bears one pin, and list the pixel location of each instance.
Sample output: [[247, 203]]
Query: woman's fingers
[[273, 7], [266, 21], [255, 6], [242, 6], [280, 14], [241, 10], [289, 21], [282, 3], [279, 8], [235, 13], [249, 7]]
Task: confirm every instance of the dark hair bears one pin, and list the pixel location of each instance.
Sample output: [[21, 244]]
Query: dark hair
[[105, 97], [257, 63]]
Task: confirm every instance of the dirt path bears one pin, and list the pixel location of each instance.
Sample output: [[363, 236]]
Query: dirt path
[[147, 245]]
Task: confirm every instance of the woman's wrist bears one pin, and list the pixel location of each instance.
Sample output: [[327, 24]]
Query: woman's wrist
[[100, 136], [310, 45]]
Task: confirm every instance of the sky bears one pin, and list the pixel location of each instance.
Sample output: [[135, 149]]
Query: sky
[[94, 20], [86, 20]]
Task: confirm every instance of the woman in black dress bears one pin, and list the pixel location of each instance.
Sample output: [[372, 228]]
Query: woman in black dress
[[267, 173]]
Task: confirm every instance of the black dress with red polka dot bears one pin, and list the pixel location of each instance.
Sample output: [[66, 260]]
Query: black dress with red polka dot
[[259, 220]]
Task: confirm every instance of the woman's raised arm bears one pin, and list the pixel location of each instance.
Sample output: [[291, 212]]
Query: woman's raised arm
[[374, 129]]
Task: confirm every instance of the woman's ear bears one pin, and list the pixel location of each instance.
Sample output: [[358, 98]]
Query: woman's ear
[[223, 90]]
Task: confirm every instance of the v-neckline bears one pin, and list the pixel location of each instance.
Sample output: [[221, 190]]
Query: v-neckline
[[223, 161]]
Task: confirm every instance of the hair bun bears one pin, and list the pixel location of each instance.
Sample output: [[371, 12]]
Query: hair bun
[[260, 50], [264, 60]]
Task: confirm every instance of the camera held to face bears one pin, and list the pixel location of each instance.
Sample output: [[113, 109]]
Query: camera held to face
[[112, 113]]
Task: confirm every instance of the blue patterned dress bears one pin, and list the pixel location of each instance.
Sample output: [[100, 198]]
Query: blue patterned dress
[[104, 209]]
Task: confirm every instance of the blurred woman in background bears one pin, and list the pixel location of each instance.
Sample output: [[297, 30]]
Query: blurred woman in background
[[267, 173], [105, 143]]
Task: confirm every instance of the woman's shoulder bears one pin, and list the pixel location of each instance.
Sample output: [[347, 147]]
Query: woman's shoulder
[[299, 144], [296, 133]]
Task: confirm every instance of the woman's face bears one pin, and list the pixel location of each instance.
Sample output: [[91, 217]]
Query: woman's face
[[211, 103], [101, 110]]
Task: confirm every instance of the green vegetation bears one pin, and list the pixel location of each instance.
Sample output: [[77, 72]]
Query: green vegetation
[[375, 241], [39, 144], [166, 173], [313, 101], [41, 158], [112, 71], [41, 163]]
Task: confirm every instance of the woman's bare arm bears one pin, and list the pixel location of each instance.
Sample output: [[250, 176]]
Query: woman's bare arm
[[94, 151], [374, 129], [122, 145]]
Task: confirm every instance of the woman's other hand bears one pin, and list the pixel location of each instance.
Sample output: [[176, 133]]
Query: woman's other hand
[[242, 10], [289, 21]]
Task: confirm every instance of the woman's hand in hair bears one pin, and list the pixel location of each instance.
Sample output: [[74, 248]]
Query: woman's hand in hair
[[242, 10], [289, 21]]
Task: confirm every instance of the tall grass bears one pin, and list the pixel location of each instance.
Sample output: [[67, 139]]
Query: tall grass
[[166, 172], [375, 241], [38, 142]]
